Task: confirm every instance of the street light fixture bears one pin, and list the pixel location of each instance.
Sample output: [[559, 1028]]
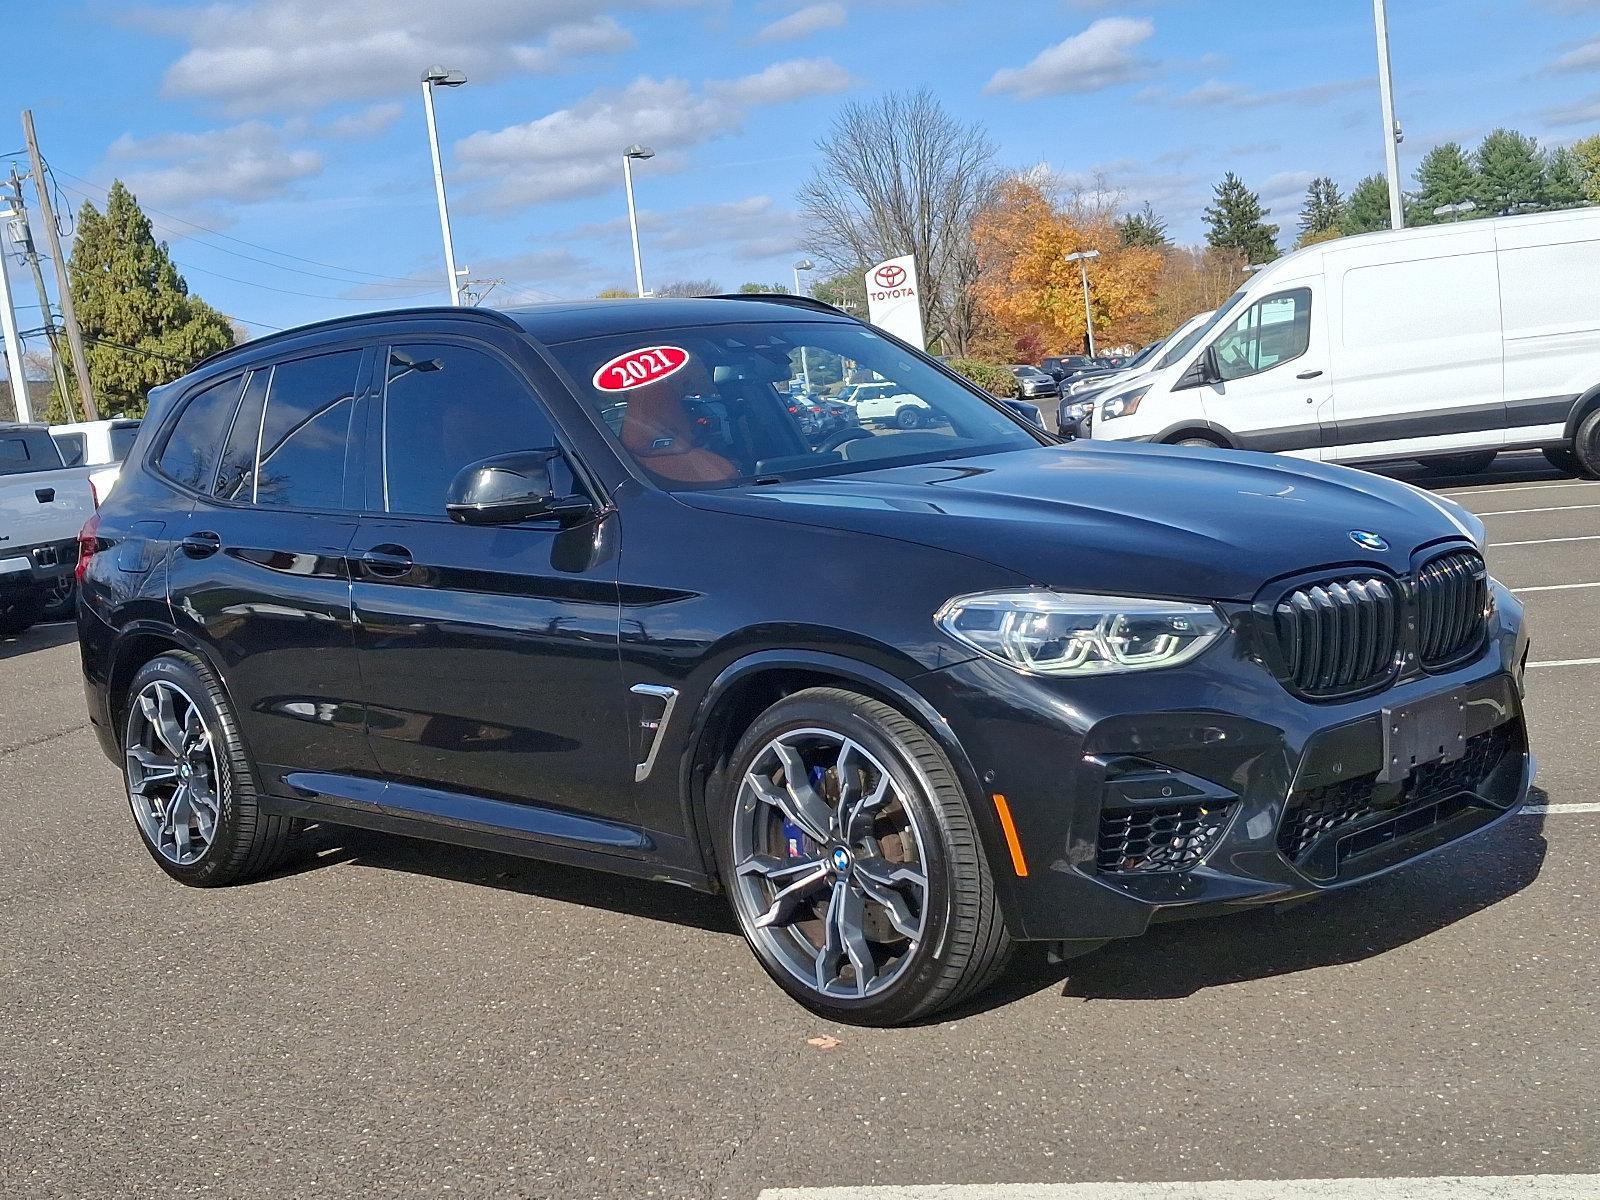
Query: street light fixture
[[1391, 127], [431, 78], [632, 152], [1454, 211], [805, 264], [1082, 258]]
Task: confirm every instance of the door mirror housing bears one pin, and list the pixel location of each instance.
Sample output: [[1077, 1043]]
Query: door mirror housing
[[510, 488], [1202, 372]]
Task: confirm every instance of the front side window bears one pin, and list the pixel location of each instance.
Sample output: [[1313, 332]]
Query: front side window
[[1271, 331], [444, 408], [709, 407], [305, 431], [190, 455]]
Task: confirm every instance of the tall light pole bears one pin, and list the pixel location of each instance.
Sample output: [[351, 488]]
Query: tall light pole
[[431, 78], [1082, 258], [1391, 127], [15, 371], [632, 152], [805, 264]]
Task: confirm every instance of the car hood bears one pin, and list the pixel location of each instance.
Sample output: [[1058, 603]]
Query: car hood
[[1123, 517]]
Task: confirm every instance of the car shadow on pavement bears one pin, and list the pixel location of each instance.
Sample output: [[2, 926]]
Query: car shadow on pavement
[[1509, 467], [324, 845], [40, 637], [1176, 960]]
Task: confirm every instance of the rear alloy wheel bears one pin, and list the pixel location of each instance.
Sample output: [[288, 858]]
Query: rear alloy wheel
[[190, 787], [1460, 464], [850, 855]]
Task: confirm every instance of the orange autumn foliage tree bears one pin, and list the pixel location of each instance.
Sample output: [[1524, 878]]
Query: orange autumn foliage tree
[[1031, 299]]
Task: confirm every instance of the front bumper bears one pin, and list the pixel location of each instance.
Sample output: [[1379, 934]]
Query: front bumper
[[1227, 792]]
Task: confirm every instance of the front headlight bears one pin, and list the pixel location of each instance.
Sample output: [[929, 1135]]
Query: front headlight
[[1062, 633], [1124, 405]]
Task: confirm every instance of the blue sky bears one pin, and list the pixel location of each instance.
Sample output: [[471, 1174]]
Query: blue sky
[[281, 148]]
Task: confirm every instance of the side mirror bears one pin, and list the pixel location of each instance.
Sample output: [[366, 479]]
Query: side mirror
[[1202, 372], [509, 488]]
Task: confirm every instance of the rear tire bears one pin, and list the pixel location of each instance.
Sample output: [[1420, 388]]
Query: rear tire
[[1203, 443], [1586, 446], [190, 786], [19, 614], [892, 913], [1459, 464]]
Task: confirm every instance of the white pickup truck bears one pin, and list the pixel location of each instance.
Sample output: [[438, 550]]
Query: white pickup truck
[[43, 505]]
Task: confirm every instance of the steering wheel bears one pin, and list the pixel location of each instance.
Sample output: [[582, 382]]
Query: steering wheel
[[850, 434]]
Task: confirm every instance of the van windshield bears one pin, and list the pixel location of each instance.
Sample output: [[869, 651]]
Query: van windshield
[[1192, 339], [712, 406]]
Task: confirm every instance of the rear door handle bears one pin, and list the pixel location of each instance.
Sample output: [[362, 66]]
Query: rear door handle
[[201, 545], [44, 495], [1308, 374], [387, 560]]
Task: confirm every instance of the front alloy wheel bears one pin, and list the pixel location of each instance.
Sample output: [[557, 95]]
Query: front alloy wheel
[[172, 773]]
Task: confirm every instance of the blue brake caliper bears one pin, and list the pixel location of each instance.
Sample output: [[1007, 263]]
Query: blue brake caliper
[[796, 843]]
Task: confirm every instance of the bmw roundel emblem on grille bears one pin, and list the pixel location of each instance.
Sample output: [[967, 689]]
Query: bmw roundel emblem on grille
[[1368, 541]]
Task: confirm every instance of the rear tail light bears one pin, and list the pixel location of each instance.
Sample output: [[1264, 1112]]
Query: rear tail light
[[88, 542]]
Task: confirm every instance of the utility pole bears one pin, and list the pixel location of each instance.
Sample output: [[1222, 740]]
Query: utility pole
[[69, 315], [1391, 127], [22, 235], [15, 371]]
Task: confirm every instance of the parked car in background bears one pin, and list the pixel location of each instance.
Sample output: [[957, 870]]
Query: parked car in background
[[886, 404], [1074, 414], [1444, 344], [1067, 367], [101, 445], [43, 505], [906, 697], [1033, 383]]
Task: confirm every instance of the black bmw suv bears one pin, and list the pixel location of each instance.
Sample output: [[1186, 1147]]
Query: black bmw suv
[[573, 582]]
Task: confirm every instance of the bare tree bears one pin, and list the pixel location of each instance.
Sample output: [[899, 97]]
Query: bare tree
[[900, 175], [689, 287]]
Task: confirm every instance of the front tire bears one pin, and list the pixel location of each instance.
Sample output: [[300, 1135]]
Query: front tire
[[853, 863], [1586, 446], [909, 417], [190, 786]]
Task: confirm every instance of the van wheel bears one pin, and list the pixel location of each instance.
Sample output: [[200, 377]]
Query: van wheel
[[908, 417], [1203, 443], [190, 786], [1586, 446], [1459, 464], [1563, 459], [852, 861]]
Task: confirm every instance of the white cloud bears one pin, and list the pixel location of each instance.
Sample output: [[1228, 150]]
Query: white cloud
[[1282, 194], [575, 151], [1583, 57], [803, 22], [1580, 112], [1102, 56], [192, 171], [369, 122], [257, 56], [1216, 93], [747, 230]]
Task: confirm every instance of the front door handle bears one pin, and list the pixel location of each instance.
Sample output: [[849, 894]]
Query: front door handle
[[1308, 374], [388, 560], [201, 545]]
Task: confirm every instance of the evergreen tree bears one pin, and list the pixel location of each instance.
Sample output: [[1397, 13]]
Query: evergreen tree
[[1586, 152], [1144, 228], [1445, 176], [142, 326], [1564, 180], [1323, 211], [1367, 209], [1236, 221], [1511, 171]]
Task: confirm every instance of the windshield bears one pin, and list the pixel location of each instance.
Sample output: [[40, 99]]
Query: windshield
[[709, 407], [1192, 339]]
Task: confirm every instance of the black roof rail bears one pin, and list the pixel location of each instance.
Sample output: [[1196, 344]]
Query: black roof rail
[[434, 310], [785, 298]]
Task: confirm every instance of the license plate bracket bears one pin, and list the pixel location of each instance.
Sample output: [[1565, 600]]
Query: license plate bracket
[[1430, 730]]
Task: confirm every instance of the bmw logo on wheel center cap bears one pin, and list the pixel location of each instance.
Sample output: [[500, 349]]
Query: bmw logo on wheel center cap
[[841, 859], [1368, 541]]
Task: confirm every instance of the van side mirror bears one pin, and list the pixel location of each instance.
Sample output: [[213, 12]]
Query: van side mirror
[[1202, 372], [509, 488]]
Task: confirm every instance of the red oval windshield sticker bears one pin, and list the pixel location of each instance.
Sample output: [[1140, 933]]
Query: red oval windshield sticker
[[639, 367]]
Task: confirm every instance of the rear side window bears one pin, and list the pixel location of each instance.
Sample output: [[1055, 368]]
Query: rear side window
[[445, 407], [305, 432], [73, 447], [190, 455], [122, 439]]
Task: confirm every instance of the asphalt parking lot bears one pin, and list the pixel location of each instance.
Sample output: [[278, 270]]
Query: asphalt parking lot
[[388, 1018]]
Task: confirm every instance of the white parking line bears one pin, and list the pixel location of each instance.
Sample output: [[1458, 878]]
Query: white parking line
[[1566, 662], [1517, 512], [1481, 1187], [1561, 808], [1522, 487], [1553, 587], [1586, 537]]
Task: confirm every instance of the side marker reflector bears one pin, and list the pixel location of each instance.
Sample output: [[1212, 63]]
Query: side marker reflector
[[1018, 863]]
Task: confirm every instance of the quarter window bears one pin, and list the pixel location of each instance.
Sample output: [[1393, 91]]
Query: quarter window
[[446, 407], [236, 476], [73, 447], [1271, 331], [305, 432], [190, 455]]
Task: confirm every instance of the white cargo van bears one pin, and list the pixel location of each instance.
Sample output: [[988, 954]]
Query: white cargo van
[[1444, 344]]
